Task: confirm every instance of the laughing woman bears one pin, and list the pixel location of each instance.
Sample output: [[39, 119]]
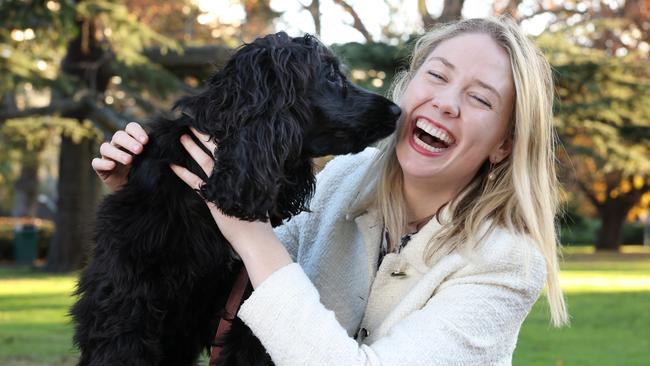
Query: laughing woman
[[430, 250]]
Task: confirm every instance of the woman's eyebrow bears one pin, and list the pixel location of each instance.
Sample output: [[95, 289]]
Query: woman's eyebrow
[[478, 82], [488, 87], [444, 61]]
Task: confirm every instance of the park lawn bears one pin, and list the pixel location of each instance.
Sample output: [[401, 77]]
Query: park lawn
[[34, 327], [608, 297]]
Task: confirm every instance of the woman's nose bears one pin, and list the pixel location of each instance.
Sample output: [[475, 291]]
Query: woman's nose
[[447, 104]]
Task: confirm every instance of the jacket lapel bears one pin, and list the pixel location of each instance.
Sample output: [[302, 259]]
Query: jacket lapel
[[371, 227]]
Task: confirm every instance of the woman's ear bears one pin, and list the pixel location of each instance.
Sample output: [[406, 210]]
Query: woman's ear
[[502, 150]]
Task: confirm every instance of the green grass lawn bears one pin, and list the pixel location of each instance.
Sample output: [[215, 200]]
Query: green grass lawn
[[608, 297], [34, 327]]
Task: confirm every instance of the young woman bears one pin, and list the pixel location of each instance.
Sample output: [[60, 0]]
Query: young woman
[[429, 250]]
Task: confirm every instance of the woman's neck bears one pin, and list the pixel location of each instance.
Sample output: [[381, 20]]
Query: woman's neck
[[424, 199]]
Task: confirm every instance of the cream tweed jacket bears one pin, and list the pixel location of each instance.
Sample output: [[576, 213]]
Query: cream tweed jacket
[[333, 306]]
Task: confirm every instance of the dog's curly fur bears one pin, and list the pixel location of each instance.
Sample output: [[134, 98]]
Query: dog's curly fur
[[161, 271]]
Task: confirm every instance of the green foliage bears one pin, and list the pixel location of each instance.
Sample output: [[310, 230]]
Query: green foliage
[[585, 232], [30, 134], [603, 106], [34, 42], [603, 120], [23, 140], [366, 64], [123, 29], [128, 38], [35, 36]]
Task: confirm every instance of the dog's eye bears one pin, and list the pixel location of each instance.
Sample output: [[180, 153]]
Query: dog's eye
[[333, 76]]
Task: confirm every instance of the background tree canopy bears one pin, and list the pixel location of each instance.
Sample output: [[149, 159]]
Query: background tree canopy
[[72, 72]]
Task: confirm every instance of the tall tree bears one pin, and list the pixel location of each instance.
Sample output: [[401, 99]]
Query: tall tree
[[105, 63], [601, 57], [65, 48]]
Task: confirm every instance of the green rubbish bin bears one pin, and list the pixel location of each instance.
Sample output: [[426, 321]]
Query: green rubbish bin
[[25, 244]]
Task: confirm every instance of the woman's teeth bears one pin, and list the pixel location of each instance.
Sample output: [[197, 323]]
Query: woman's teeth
[[434, 131], [426, 146], [431, 138]]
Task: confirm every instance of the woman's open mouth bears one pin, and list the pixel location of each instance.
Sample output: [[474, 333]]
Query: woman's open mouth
[[429, 139]]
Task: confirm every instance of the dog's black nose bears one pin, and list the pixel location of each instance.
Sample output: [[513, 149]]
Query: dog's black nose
[[395, 110]]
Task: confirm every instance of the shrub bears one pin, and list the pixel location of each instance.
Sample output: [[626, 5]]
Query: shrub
[[7, 230]]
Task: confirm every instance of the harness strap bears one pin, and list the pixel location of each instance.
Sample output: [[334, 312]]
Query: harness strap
[[232, 305]]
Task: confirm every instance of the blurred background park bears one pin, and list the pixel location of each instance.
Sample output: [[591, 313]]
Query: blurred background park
[[73, 72]]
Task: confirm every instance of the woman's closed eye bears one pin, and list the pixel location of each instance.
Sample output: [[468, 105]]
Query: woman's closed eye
[[437, 75], [482, 100]]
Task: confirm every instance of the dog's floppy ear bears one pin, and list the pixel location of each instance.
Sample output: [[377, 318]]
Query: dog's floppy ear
[[259, 133]]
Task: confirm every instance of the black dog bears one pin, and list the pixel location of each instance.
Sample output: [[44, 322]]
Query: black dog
[[161, 271]]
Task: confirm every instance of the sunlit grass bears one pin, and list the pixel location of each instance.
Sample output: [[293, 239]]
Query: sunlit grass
[[590, 249], [604, 281], [34, 326], [608, 296]]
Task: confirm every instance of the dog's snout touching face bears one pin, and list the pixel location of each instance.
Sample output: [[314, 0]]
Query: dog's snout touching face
[[395, 110], [346, 118]]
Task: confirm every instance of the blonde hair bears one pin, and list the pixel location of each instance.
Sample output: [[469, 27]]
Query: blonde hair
[[523, 196]]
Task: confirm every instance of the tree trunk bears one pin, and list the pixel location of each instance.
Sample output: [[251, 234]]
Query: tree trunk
[[78, 191], [452, 10], [357, 22], [314, 9], [646, 231], [89, 59], [259, 19], [612, 215]]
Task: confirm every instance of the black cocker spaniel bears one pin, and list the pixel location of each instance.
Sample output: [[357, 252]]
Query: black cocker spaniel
[[161, 271]]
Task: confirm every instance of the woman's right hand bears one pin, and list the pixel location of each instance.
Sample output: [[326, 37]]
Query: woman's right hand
[[116, 157]]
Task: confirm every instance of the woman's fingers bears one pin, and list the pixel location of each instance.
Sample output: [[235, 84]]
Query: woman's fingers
[[205, 139], [187, 176], [102, 165], [111, 152], [134, 129], [204, 160], [127, 142]]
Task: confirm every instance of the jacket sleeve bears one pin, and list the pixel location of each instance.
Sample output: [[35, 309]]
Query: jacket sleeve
[[339, 175], [471, 319], [288, 235]]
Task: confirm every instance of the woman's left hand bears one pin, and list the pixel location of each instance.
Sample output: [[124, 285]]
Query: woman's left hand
[[255, 242]]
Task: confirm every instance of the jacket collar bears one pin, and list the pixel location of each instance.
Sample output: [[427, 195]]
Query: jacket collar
[[371, 227], [415, 249]]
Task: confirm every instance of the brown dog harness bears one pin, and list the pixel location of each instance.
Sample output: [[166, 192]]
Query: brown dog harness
[[232, 305]]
